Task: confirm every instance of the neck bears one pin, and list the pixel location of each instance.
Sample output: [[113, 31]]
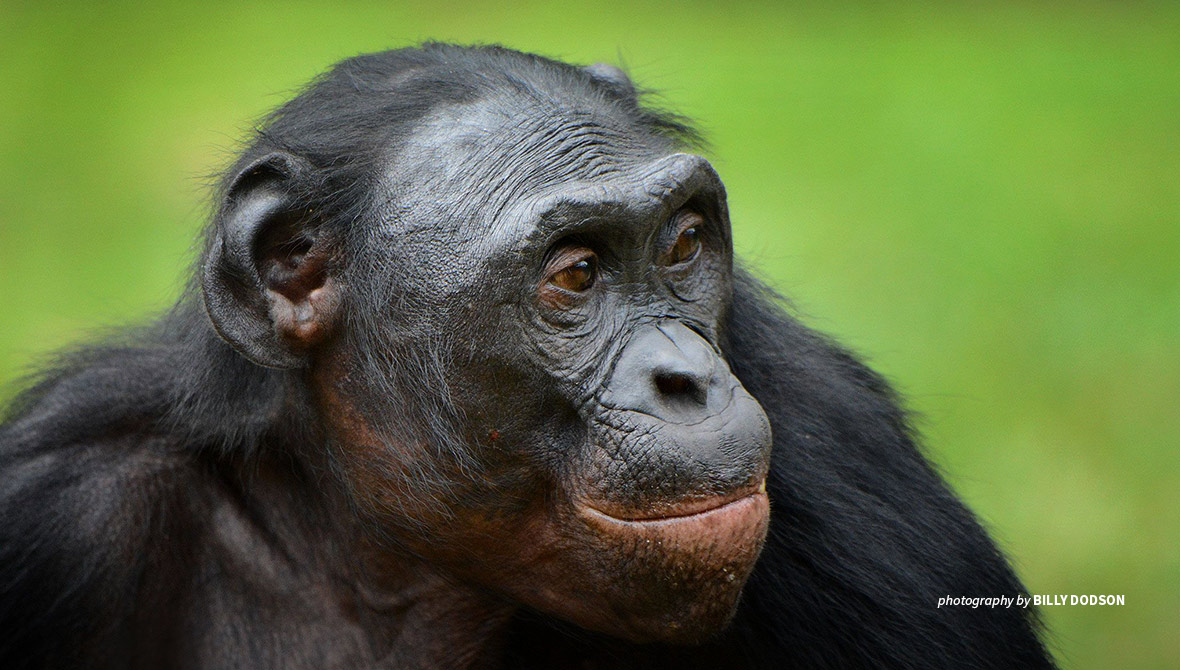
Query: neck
[[429, 620], [369, 604]]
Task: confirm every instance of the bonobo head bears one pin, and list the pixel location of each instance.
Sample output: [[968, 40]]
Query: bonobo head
[[507, 284]]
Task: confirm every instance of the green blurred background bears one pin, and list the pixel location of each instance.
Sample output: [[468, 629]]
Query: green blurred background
[[983, 200]]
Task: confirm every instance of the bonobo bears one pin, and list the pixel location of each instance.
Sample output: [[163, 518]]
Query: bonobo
[[467, 377]]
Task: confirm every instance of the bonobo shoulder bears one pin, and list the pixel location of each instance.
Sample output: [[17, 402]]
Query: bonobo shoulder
[[83, 522]]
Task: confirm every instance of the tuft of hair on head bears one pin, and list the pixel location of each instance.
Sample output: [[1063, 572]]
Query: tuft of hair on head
[[613, 76]]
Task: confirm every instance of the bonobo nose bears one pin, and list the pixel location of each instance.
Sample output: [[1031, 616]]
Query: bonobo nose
[[679, 425], [671, 372]]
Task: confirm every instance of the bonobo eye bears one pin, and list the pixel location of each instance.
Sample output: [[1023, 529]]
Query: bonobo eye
[[569, 272], [688, 242], [577, 277]]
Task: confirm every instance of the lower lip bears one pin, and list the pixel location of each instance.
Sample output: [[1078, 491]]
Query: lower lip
[[747, 510]]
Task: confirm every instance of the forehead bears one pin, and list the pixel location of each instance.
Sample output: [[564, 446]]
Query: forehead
[[484, 156], [473, 198]]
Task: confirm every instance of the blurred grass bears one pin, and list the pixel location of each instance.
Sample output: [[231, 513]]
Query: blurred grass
[[984, 200]]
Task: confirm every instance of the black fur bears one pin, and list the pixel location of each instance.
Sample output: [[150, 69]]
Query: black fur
[[114, 462]]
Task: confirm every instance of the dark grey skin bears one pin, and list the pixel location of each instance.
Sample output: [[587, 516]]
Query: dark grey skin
[[466, 378], [617, 422]]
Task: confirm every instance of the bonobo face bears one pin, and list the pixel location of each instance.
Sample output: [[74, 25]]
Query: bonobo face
[[570, 276]]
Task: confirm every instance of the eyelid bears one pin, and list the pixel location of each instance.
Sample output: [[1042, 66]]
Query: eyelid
[[688, 218], [566, 258], [685, 220]]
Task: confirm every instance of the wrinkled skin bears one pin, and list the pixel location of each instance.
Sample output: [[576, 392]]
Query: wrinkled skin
[[625, 458]]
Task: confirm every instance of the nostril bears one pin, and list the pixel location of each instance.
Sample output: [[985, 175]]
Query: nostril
[[676, 385]]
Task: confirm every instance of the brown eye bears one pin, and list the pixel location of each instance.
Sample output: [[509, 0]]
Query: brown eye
[[576, 277], [686, 247]]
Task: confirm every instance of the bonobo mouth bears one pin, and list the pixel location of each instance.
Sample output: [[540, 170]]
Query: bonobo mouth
[[743, 506], [666, 571]]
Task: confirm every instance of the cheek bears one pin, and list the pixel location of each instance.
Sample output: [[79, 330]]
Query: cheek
[[401, 478], [704, 293], [399, 485], [447, 491], [444, 509]]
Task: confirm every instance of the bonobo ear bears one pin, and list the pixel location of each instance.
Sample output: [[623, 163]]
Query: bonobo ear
[[265, 278]]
